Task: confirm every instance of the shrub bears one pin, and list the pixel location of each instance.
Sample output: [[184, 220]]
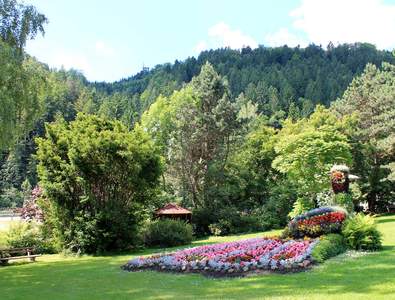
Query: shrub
[[317, 222], [98, 177], [361, 233], [168, 233], [31, 209], [232, 221], [329, 245], [11, 197], [24, 234], [202, 218]]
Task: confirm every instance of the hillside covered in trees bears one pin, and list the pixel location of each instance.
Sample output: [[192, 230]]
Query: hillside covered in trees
[[273, 78], [275, 82]]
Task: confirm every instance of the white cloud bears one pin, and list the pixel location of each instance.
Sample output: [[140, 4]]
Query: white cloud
[[201, 46], [103, 49], [234, 39], [284, 37], [70, 61], [221, 35], [342, 21]]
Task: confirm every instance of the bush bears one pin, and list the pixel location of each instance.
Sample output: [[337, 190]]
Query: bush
[[232, 221], [168, 233], [24, 234], [98, 177], [202, 218], [317, 222], [11, 197], [329, 245], [361, 233]]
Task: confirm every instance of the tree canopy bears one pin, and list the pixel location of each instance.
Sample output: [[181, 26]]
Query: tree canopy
[[96, 176]]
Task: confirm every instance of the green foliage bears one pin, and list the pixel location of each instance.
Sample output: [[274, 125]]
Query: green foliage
[[168, 233], [306, 150], [275, 212], [21, 78], [21, 98], [300, 206], [344, 200], [193, 128], [29, 234], [361, 233], [270, 77], [329, 246], [11, 198], [371, 97], [19, 23], [202, 218], [232, 221], [97, 175]]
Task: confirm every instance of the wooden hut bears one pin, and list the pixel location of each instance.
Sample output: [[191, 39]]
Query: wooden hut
[[174, 211]]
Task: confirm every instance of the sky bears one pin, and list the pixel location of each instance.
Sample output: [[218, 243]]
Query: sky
[[111, 40]]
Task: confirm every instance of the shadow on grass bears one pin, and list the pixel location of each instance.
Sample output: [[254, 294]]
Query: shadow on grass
[[386, 220], [102, 278], [201, 241]]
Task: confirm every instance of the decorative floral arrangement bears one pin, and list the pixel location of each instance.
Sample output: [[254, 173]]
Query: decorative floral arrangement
[[232, 257], [338, 177], [317, 222]]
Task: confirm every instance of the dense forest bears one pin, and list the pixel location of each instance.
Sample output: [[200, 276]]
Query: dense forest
[[241, 137]]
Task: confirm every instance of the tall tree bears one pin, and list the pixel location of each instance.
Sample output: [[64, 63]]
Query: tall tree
[[307, 149], [193, 128], [19, 23], [371, 97], [20, 78]]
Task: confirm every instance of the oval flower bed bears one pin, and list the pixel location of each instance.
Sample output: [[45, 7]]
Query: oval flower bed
[[232, 257]]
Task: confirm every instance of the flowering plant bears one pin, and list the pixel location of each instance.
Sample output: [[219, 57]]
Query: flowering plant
[[318, 221], [232, 257], [31, 210]]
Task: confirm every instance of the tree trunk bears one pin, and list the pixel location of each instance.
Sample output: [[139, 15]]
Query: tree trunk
[[372, 198]]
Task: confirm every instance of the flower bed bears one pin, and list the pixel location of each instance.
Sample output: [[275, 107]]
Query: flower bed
[[233, 257], [317, 222]]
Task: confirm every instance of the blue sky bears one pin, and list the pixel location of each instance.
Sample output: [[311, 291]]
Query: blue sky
[[110, 40]]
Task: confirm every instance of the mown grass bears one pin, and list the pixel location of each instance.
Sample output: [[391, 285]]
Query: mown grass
[[349, 276]]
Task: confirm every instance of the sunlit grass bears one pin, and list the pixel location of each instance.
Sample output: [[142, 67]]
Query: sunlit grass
[[349, 276]]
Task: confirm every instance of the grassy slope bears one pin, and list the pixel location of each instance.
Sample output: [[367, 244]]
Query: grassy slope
[[370, 276]]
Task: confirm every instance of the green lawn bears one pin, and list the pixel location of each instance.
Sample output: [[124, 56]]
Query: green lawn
[[349, 276]]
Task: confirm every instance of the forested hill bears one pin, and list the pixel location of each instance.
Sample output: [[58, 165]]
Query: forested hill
[[282, 82], [271, 77]]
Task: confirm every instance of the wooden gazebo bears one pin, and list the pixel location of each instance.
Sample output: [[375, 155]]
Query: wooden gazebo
[[174, 211]]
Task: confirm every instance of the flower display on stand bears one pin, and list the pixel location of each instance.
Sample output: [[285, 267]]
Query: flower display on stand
[[232, 257]]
